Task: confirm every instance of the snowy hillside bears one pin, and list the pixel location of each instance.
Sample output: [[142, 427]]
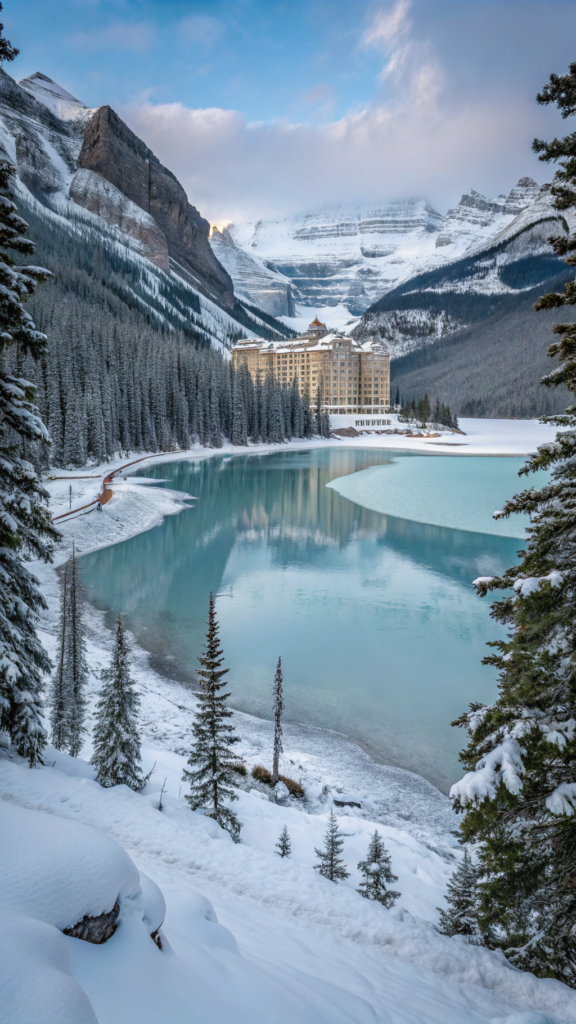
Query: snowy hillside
[[355, 255]]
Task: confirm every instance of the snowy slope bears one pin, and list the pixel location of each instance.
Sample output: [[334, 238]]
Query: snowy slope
[[52, 95], [294, 947]]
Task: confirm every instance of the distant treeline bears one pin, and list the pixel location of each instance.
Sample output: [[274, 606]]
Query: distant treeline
[[423, 411]]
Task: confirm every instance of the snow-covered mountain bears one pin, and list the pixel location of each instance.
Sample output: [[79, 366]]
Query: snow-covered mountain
[[355, 255], [86, 171]]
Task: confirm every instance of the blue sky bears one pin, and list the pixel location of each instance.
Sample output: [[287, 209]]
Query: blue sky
[[265, 107]]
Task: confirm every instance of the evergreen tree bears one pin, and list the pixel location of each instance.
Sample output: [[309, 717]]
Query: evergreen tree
[[7, 51], [116, 741], [278, 709], [25, 527], [319, 402], [59, 700], [331, 865], [376, 872], [461, 917], [212, 763], [519, 795], [76, 669], [308, 424], [284, 845]]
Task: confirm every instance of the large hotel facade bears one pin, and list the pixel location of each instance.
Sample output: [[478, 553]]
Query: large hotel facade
[[353, 378]]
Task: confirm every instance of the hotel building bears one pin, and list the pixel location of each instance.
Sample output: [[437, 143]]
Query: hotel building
[[353, 378]]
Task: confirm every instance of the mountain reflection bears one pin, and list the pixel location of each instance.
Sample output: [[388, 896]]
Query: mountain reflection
[[379, 628]]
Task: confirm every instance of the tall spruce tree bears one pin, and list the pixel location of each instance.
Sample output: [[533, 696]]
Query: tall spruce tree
[[377, 873], [25, 527], [278, 709], [59, 700], [331, 864], [116, 754], [76, 668], [212, 764], [519, 796], [461, 917]]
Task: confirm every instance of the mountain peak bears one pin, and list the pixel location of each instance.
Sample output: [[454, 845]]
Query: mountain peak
[[54, 96]]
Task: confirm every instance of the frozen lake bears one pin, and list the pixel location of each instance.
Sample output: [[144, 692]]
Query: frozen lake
[[363, 587]]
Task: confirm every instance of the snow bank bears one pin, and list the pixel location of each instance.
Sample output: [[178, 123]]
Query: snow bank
[[57, 870]]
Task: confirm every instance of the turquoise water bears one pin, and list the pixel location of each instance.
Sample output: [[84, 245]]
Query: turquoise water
[[379, 628]]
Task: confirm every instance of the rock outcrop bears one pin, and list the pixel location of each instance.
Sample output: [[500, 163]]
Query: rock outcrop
[[94, 193], [96, 929], [113, 151]]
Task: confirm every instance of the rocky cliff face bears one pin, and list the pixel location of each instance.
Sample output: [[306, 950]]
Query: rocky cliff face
[[65, 152], [94, 193], [118, 155], [266, 288], [475, 212]]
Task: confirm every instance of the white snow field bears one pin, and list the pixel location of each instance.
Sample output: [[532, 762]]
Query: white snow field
[[247, 937]]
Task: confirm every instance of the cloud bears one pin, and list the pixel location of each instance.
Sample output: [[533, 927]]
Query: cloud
[[235, 170], [409, 64], [388, 25], [121, 35], [427, 133]]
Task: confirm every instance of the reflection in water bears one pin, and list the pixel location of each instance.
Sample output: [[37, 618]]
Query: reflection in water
[[380, 632]]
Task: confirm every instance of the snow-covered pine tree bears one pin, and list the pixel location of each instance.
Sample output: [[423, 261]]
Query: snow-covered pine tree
[[76, 668], [284, 845], [116, 754], [519, 796], [212, 764], [376, 873], [331, 865], [59, 699], [25, 526], [319, 427], [278, 709], [308, 424], [461, 917]]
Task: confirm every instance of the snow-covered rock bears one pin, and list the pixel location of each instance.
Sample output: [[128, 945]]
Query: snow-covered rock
[[101, 197], [53, 96]]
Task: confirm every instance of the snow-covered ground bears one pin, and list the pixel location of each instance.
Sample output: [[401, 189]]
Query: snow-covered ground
[[289, 946], [482, 437]]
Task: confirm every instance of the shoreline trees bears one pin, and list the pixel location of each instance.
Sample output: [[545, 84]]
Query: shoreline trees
[[25, 526], [67, 699], [519, 794], [212, 765], [116, 754]]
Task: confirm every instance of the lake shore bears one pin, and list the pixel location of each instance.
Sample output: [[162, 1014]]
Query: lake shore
[[137, 507]]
